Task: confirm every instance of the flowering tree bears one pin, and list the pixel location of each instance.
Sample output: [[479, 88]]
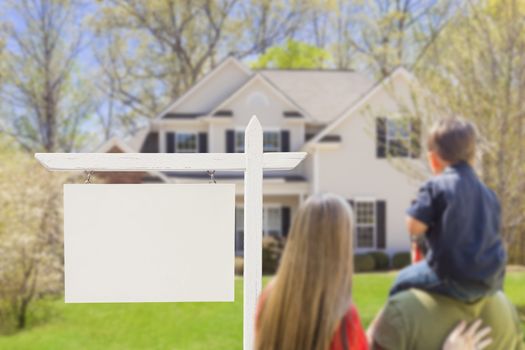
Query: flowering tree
[[31, 249]]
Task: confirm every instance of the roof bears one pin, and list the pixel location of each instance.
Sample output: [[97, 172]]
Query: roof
[[323, 94], [360, 102]]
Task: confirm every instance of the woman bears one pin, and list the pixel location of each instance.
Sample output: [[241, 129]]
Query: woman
[[308, 305]]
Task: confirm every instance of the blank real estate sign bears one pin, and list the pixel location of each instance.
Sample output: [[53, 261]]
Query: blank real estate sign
[[149, 243]]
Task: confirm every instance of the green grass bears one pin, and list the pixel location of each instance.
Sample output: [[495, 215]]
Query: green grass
[[180, 326]]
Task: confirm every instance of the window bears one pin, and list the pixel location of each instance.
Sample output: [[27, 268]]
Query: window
[[186, 142], [239, 141], [365, 223], [272, 141], [272, 224], [239, 229], [398, 133]]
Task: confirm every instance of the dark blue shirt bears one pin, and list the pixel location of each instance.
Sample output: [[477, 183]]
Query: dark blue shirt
[[463, 217]]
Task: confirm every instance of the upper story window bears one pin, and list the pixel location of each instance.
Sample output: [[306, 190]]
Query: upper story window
[[398, 137], [186, 142], [365, 223], [272, 141], [239, 141]]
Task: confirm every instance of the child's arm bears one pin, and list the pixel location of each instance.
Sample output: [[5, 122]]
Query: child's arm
[[415, 227]]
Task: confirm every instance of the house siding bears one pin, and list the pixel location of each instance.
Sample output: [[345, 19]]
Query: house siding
[[353, 170]]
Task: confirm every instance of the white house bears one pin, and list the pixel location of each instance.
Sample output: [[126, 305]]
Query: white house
[[350, 125]]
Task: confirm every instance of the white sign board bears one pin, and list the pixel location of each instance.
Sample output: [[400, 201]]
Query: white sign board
[[149, 243]]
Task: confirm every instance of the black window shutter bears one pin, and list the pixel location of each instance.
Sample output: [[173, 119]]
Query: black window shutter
[[415, 138], [203, 142], [285, 220], [170, 142], [151, 144], [381, 224], [285, 141], [230, 141], [381, 137]]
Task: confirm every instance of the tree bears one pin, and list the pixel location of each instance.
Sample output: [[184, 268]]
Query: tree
[[46, 98], [152, 52], [381, 35], [476, 70], [293, 54], [31, 253]]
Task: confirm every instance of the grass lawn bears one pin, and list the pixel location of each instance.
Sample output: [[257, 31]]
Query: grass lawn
[[181, 326]]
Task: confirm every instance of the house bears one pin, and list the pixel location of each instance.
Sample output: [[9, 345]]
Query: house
[[351, 126]]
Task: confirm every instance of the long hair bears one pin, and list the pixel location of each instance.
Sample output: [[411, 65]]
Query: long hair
[[312, 290]]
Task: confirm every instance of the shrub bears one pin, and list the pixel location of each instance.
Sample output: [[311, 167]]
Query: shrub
[[400, 260], [363, 263], [273, 247], [239, 265], [381, 259]]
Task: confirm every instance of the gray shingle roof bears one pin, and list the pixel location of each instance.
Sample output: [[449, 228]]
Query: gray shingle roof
[[324, 94]]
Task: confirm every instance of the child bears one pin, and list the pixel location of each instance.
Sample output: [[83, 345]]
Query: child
[[460, 218]]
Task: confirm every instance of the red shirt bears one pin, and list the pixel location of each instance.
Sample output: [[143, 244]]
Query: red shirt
[[355, 335]]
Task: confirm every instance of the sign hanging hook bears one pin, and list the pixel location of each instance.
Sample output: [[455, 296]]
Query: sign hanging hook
[[88, 174], [212, 176]]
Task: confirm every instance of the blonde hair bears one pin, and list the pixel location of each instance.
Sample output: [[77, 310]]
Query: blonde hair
[[312, 290]]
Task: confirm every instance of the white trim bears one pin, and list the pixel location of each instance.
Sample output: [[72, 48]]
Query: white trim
[[201, 82], [358, 104]]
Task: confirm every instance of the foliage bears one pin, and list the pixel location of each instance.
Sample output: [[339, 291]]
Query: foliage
[[400, 260], [475, 70], [272, 250], [364, 263], [293, 55], [152, 52], [31, 253], [381, 260], [46, 98]]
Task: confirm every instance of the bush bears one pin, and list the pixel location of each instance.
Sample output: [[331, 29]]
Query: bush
[[363, 263], [381, 259], [273, 248], [239, 265], [400, 260]]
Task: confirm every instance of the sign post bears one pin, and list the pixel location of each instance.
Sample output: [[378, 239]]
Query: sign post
[[252, 162]]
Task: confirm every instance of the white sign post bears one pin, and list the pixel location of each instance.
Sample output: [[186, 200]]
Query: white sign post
[[252, 162]]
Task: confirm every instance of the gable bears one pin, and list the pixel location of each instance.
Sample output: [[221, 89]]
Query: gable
[[211, 90], [260, 97], [383, 97]]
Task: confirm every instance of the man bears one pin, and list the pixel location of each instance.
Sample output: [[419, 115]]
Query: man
[[415, 319]]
